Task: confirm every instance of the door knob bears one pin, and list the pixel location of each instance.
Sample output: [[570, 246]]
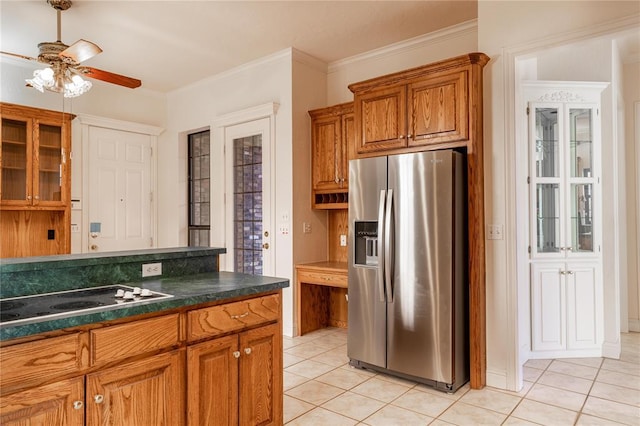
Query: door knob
[[265, 246]]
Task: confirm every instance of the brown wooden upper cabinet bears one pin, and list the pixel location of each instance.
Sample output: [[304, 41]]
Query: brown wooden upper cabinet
[[332, 132], [34, 158], [422, 108]]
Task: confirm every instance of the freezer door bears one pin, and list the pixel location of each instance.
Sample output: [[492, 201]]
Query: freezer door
[[421, 312], [366, 338]]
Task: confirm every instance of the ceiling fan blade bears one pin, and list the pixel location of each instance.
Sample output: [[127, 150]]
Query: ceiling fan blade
[[80, 51], [110, 77], [28, 58]]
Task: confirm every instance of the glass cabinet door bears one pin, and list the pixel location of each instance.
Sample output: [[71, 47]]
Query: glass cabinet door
[[562, 179], [48, 185], [581, 179], [16, 160], [547, 146]]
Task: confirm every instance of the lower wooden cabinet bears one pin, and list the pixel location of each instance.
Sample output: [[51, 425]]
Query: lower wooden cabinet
[[60, 404], [236, 379], [148, 372], [145, 392]]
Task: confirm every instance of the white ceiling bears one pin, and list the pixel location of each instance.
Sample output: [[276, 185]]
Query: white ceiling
[[170, 44]]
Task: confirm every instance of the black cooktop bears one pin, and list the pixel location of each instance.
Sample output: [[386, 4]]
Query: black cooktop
[[21, 309]]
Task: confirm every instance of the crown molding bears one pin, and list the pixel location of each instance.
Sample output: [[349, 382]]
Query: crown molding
[[439, 36], [306, 59]]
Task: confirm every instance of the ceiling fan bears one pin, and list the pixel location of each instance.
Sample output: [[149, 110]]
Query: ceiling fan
[[64, 72]]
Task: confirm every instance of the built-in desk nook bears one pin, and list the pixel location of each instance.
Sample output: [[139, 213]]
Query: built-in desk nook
[[321, 289]]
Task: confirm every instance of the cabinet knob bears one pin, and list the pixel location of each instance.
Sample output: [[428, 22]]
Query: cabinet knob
[[98, 399], [265, 246], [28, 197], [37, 197], [236, 354], [77, 405], [247, 351], [94, 247]]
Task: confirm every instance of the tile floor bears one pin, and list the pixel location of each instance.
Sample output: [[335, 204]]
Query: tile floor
[[322, 389]]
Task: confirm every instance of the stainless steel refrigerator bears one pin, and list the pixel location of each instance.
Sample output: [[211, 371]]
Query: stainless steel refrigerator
[[408, 267]]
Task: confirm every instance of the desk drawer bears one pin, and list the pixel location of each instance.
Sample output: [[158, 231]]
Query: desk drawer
[[323, 278], [139, 337], [208, 322]]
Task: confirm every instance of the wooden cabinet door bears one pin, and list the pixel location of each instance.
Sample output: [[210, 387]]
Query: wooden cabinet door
[[212, 391], [383, 119], [59, 404], [438, 110], [16, 160], [141, 393], [51, 163], [261, 385], [325, 155], [346, 143]]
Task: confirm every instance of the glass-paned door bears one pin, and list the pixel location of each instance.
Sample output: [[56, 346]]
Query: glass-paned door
[[199, 189], [562, 182], [49, 186], [247, 196], [16, 160]]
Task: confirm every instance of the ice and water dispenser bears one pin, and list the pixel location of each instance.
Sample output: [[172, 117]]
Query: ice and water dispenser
[[366, 244]]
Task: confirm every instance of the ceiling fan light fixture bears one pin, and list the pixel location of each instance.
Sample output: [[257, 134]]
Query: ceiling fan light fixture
[[59, 80]]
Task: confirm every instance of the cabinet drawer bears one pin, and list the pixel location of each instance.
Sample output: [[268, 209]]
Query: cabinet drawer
[[207, 322], [323, 278], [29, 364], [139, 337]]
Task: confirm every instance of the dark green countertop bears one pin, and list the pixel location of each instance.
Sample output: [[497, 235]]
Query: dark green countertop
[[188, 290]]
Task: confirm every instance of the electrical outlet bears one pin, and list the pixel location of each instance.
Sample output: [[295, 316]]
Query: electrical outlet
[[343, 240], [151, 269], [306, 227], [494, 232], [284, 228]]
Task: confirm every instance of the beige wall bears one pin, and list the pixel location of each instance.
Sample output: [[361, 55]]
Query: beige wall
[[631, 71]]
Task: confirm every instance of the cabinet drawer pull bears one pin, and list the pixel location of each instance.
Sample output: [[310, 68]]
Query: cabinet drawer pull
[[247, 351], [240, 316], [98, 399], [77, 405], [236, 354]]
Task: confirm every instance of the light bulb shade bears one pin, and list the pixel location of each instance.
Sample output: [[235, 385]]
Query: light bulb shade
[[59, 80]]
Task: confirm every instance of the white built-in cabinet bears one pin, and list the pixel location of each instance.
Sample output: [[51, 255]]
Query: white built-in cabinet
[[566, 221]]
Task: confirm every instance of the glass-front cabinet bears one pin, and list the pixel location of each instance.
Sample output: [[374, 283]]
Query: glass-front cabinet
[[562, 164], [566, 221], [34, 160], [35, 181]]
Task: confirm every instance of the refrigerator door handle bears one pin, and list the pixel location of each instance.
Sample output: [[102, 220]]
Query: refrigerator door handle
[[388, 246], [380, 245]]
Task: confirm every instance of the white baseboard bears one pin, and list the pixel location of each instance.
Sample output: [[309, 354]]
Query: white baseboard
[[611, 350], [634, 325], [497, 379]]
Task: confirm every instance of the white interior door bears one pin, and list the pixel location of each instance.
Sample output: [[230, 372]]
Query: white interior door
[[119, 190], [248, 155]]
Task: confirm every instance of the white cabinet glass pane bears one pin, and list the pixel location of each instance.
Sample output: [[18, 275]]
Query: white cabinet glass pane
[[581, 218], [546, 150], [548, 217], [581, 142]]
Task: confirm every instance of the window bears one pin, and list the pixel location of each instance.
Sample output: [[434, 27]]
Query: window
[[199, 189]]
